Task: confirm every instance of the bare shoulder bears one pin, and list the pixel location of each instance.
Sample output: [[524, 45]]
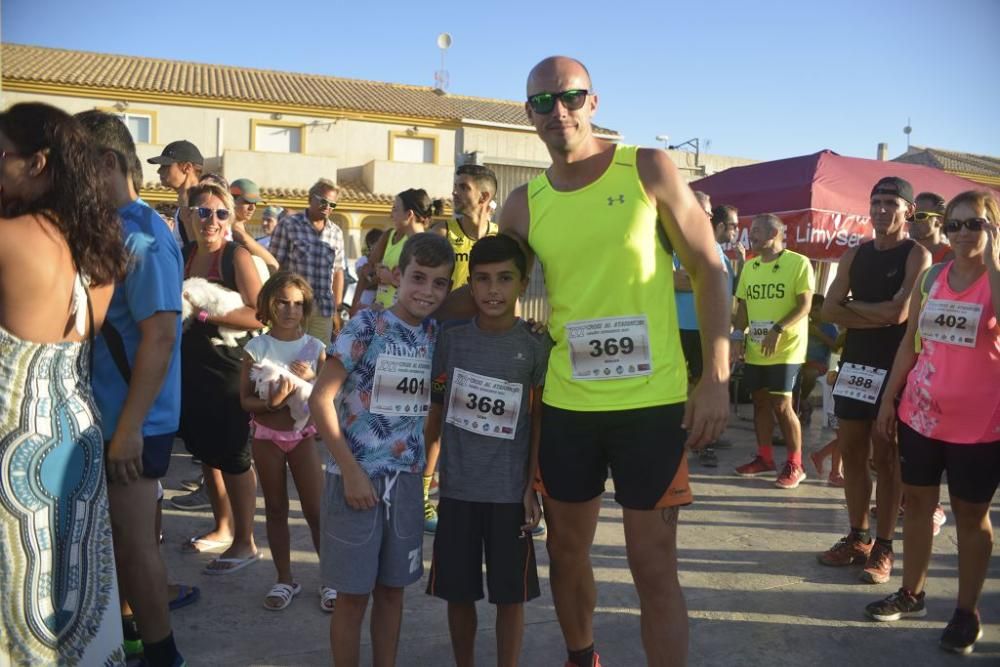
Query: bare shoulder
[[919, 254], [656, 169], [514, 217]]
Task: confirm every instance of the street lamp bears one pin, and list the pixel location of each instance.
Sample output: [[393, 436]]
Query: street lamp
[[664, 138], [693, 143]]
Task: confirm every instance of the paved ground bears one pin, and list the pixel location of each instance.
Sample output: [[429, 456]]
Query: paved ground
[[756, 595]]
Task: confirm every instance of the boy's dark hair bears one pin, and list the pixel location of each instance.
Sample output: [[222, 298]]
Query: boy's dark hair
[[278, 281], [483, 176], [500, 248], [372, 236], [427, 249], [109, 133]]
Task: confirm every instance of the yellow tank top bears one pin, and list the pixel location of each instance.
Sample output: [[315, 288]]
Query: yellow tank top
[[611, 288], [462, 245], [386, 294]]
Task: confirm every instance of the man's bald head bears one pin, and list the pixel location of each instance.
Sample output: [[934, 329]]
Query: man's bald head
[[550, 74]]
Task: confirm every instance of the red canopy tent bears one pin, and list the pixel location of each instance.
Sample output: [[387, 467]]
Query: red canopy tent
[[822, 198]]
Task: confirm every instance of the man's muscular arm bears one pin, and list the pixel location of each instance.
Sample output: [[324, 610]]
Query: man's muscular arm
[[833, 307], [684, 222], [895, 310]]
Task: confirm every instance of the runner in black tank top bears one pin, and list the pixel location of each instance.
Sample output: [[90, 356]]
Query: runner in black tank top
[[870, 297]]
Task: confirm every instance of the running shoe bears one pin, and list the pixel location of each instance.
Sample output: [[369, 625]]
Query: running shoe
[[878, 569], [192, 502], [708, 458], [193, 484], [901, 604], [791, 476], [962, 633], [756, 467], [939, 519], [847, 551], [434, 487], [430, 518]]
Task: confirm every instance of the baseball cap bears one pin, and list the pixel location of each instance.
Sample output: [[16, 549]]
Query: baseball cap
[[894, 185], [247, 189], [178, 151], [272, 212]]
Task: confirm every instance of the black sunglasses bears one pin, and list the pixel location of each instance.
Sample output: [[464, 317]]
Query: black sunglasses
[[205, 213], [972, 224], [324, 203], [545, 102]]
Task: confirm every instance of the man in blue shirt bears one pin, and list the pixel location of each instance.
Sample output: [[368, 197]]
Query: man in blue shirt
[[687, 322], [136, 384]]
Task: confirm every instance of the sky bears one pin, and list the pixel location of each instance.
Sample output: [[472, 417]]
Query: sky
[[761, 80]]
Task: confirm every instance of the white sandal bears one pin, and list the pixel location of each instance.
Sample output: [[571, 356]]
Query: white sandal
[[283, 592], [327, 599]]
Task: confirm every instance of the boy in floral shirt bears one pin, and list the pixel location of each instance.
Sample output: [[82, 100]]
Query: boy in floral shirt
[[372, 535]]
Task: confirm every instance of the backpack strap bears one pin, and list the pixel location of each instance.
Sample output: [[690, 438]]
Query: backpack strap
[[228, 267], [926, 281]]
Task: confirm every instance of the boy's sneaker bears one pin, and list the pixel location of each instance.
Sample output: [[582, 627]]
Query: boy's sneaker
[[962, 632], [791, 476], [901, 604], [433, 489], [847, 551], [430, 518], [878, 569], [756, 467], [192, 502]]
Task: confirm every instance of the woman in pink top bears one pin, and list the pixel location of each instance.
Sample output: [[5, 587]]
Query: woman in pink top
[[949, 414]]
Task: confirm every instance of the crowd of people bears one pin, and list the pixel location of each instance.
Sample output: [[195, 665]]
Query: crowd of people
[[239, 345]]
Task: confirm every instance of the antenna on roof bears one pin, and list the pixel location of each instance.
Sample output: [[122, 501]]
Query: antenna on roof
[[441, 76], [907, 130]]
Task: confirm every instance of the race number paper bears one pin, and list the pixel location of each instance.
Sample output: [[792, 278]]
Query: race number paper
[[862, 383], [609, 348], [759, 329], [402, 386], [951, 322], [484, 405]]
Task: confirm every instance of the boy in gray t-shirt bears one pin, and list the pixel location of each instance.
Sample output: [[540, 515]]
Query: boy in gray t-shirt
[[486, 406]]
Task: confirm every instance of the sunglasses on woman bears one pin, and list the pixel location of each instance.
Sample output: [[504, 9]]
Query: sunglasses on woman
[[205, 213], [544, 103], [972, 224]]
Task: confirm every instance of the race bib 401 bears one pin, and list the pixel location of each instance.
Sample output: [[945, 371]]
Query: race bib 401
[[402, 386]]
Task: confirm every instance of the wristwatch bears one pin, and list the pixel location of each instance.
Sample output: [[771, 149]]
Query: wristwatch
[[777, 327]]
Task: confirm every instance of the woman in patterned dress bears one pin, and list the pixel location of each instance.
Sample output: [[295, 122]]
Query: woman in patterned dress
[[58, 591]]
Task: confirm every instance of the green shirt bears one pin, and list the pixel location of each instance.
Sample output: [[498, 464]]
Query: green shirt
[[770, 291]]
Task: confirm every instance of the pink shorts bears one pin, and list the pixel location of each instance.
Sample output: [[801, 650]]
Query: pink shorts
[[286, 441]]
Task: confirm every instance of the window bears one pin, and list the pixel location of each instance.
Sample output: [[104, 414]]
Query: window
[[140, 126], [410, 147], [277, 137]]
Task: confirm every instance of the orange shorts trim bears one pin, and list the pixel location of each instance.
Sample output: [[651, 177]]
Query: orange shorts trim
[[679, 491]]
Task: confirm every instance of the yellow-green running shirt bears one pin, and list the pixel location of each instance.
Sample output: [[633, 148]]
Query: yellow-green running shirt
[[770, 290]]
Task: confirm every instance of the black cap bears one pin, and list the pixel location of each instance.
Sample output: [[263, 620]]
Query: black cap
[[178, 151], [895, 186]]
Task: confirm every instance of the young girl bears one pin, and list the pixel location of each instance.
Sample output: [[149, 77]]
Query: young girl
[[282, 431]]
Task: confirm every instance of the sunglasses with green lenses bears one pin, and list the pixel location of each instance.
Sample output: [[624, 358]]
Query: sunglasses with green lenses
[[544, 103]]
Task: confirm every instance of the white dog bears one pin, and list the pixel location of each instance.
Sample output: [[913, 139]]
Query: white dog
[[266, 372], [216, 300]]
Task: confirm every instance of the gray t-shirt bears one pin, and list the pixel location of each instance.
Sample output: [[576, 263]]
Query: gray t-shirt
[[486, 432]]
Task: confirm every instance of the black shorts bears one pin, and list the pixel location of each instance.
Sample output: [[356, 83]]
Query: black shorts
[[973, 470], [851, 408], [156, 451], [643, 447], [464, 530], [691, 344], [775, 378]]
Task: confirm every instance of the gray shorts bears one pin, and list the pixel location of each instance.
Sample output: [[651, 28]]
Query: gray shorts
[[360, 548]]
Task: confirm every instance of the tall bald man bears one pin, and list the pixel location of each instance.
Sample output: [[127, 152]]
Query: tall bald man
[[616, 385]]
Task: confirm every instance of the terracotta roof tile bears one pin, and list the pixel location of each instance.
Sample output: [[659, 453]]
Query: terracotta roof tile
[[199, 80], [953, 161]]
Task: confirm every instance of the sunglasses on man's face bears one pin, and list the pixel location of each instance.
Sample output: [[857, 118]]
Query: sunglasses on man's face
[[322, 202], [924, 216], [544, 103], [205, 213], [972, 224]]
